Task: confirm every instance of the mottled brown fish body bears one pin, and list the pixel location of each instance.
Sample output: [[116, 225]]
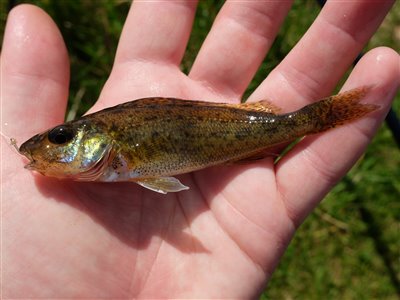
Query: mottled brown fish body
[[163, 137], [160, 137], [150, 140]]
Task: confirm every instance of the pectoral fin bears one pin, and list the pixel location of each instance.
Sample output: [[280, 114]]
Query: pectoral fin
[[162, 185]]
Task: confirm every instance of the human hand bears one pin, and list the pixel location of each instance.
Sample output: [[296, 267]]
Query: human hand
[[224, 236]]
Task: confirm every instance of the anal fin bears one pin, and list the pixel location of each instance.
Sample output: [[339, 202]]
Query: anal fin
[[252, 158], [162, 185]]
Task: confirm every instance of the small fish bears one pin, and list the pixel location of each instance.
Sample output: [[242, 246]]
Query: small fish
[[150, 140]]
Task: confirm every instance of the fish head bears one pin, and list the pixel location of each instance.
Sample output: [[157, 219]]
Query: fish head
[[76, 149]]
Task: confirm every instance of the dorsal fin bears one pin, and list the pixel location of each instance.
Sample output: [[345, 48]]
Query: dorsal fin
[[260, 106], [263, 105]]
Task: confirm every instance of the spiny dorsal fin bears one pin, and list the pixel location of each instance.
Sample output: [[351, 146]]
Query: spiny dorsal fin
[[263, 105]]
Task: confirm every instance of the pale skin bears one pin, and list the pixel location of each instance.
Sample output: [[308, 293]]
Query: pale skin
[[222, 238]]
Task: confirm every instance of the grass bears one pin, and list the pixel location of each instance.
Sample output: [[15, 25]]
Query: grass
[[349, 247]]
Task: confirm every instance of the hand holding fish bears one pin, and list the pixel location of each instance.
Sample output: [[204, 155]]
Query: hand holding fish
[[224, 236]]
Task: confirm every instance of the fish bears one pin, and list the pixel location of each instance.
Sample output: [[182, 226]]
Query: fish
[[151, 140]]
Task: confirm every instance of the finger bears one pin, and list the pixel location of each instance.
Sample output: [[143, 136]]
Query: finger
[[156, 31], [312, 69], [237, 43], [307, 173], [34, 72]]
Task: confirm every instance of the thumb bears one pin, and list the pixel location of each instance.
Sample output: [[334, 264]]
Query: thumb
[[34, 73]]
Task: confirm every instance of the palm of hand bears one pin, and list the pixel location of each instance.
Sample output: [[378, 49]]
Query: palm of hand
[[119, 240], [135, 235]]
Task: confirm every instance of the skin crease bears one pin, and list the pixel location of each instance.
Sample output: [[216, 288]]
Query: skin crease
[[222, 238]]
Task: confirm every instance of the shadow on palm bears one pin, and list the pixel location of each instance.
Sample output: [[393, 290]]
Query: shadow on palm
[[134, 214]]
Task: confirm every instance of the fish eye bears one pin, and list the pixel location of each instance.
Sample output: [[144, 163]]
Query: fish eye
[[60, 135]]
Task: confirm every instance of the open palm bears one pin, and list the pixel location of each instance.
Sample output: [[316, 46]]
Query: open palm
[[224, 236]]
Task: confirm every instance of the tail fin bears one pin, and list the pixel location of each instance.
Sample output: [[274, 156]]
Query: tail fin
[[339, 109]]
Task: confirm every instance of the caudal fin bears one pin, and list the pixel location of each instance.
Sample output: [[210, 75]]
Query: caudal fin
[[339, 109]]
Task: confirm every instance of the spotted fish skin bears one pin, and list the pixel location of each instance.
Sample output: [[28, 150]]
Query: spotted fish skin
[[152, 138]]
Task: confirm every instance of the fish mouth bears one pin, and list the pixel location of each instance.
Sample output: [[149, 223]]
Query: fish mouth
[[25, 152], [30, 165], [22, 150]]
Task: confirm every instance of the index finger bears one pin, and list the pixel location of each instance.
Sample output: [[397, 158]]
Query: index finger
[[156, 31]]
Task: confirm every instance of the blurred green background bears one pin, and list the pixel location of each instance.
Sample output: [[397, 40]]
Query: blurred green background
[[349, 248]]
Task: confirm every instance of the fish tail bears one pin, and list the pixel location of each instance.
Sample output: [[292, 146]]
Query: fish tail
[[339, 109]]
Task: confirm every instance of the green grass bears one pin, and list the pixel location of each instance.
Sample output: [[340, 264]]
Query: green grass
[[349, 247]]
